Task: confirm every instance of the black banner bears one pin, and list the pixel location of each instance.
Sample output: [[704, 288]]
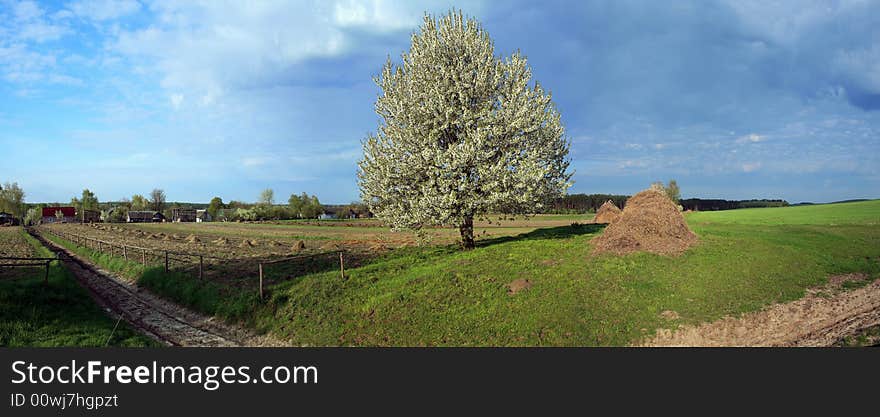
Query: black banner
[[241, 381]]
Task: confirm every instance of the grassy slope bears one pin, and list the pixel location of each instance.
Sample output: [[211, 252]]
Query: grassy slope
[[61, 314], [862, 212], [442, 296], [445, 297]]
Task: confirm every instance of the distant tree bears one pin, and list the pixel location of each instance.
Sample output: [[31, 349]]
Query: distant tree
[[243, 214], [157, 199], [304, 206], [295, 203], [139, 202], [214, 206], [235, 204], [88, 201], [267, 197], [673, 191], [463, 133], [12, 199], [33, 216], [118, 215], [125, 202]]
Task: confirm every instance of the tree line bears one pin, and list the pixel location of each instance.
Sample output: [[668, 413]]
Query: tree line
[[703, 204]]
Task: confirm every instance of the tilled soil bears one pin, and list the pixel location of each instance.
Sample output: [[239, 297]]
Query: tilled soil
[[163, 320], [822, 318]]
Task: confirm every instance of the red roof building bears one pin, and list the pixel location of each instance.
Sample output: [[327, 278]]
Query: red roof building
[[68, 213]]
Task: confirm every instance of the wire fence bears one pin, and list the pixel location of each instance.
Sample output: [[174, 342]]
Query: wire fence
[[20, 262], [182, 261]]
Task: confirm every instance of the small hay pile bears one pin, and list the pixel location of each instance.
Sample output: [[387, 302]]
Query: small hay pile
[[246, 244], [221, 241], [607, 213], [650, 222], [299, 245], [193, 239]]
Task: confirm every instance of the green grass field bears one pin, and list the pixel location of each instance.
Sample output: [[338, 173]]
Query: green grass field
[[861, 212], [439, 295], [447, 297], [60, 314]]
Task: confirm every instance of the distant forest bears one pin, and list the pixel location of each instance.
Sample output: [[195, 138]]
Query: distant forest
[[699, 204], [588, 203], [583, 203]]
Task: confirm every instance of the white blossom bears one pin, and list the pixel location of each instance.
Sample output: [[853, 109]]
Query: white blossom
[[462, 134]]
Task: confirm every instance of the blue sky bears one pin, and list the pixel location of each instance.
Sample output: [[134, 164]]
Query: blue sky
[[734, 99]]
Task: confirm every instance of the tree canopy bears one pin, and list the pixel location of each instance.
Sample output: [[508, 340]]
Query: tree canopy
[[462, 134], [12, 199], [267, 197], [157, 199]]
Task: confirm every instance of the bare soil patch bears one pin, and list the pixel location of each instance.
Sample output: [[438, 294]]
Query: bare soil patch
[[518, 285], [650, 222], [823, 317]]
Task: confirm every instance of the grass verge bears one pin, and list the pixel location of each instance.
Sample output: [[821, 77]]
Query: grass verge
[[60, 314]]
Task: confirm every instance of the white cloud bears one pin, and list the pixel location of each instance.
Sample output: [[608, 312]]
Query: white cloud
[[751, 167], [176, 101], [253, 161], [41, 32], [26, 11], [104, 9], [213, 48], [861, 66], [751, 138], [376, 15]]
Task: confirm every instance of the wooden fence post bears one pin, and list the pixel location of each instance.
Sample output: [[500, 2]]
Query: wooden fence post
[[261, 281], [46, 278], [201, 265], [341, 265], [166, 261], [144, 257], [124, 252]]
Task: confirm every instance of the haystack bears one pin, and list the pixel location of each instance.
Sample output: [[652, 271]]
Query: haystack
[[193, 239], [299, 245], [246, 244], [607, 213], [650, 222], [221, 241]]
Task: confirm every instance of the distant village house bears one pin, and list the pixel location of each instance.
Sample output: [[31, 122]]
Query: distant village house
[[145, 217], [51, 215], [203, 216], [7, 219], [91, 216], [183, 215]]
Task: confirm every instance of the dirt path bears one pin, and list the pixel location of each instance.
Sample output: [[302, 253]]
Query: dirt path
[[824, 316], [165, 321]]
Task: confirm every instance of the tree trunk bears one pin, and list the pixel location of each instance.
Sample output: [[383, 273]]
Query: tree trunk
[[467, 232]]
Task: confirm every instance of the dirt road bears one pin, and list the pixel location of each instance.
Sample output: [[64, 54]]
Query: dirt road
[[824, 316], [165, 321]]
